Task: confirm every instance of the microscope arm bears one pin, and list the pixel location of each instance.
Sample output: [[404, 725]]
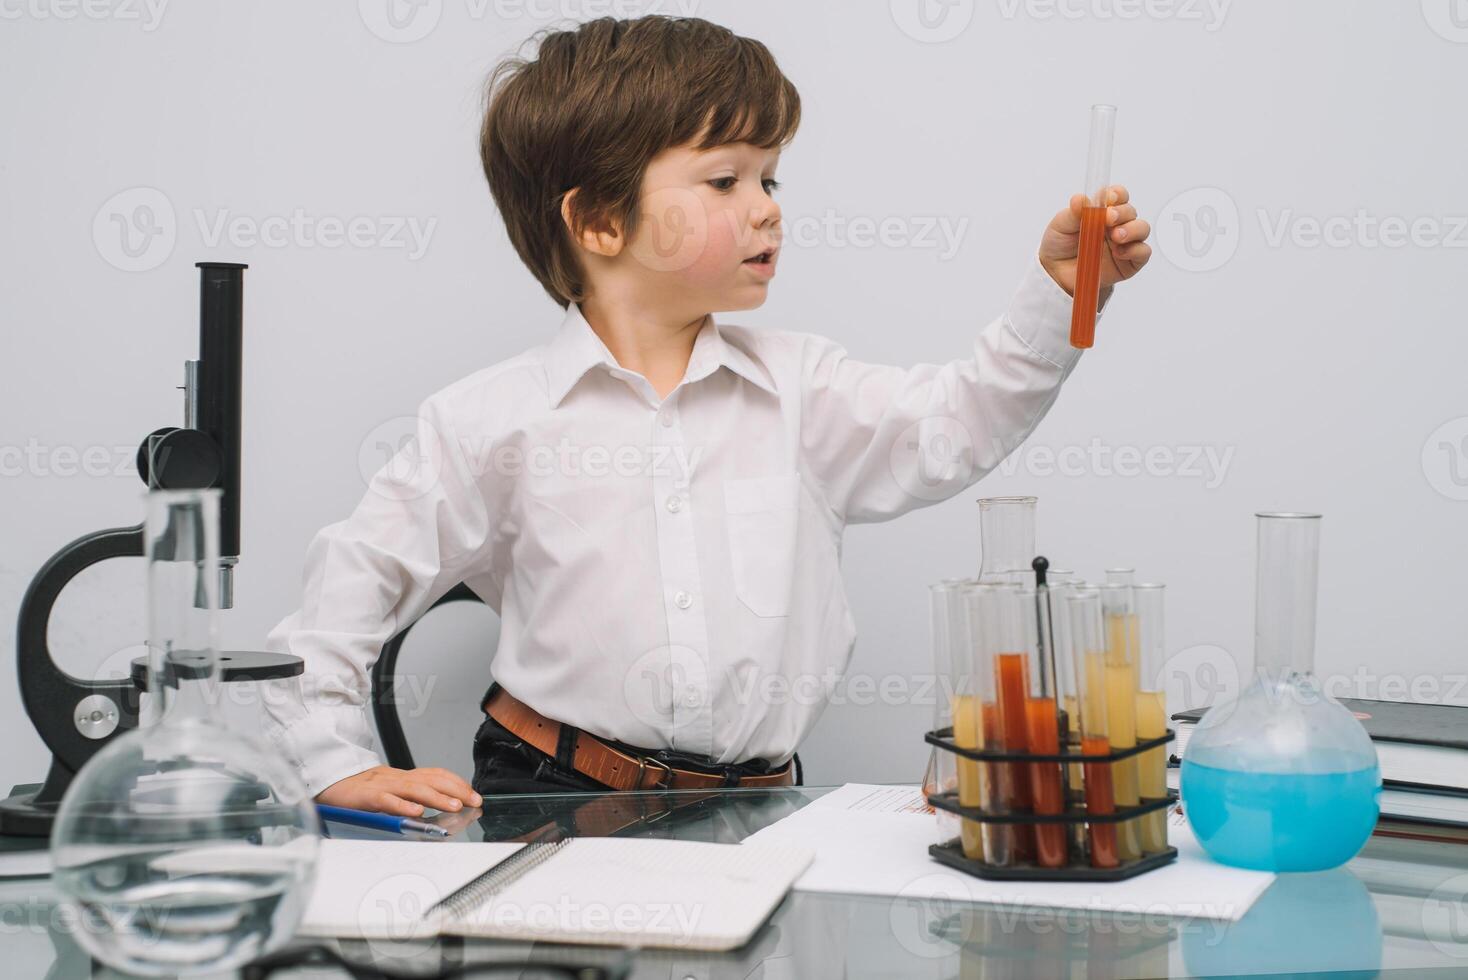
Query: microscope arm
[[52, 697]]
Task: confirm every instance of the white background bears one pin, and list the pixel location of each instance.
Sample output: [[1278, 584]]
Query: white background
[[1321, 372]]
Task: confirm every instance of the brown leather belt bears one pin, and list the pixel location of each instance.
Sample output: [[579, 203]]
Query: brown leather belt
[[607, 764]]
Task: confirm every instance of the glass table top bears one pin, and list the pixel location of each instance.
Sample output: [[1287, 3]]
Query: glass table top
[[1401, 905]]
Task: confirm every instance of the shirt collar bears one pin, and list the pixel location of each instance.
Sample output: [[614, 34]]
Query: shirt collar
[[576, 349]]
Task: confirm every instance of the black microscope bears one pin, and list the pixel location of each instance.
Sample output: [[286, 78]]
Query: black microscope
[[76, 717]]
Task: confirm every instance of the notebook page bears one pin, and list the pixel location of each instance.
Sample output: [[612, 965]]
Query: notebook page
[[642, 892], [376, 889]]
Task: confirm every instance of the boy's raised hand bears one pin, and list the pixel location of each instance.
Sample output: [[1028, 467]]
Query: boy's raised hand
[[401, 792], [1126, 238]]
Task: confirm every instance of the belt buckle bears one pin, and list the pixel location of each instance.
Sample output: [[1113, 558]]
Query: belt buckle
[[642, 762]]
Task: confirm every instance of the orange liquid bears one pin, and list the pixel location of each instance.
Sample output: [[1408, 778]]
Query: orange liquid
[[1100, 799], [1045, 782], [1088, 277], [1013, 684]]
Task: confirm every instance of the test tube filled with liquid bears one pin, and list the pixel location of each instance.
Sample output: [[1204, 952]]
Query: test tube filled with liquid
[[1057, 622], [953, 658], [981, 722], [1092, 243], [1151, 712], [1043, 731], [1003, 642], [1121, 707], [1088, 647]]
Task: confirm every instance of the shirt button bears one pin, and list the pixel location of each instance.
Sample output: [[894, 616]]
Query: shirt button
[[683, 600], [675, 504], [666, 417], [691, 698]]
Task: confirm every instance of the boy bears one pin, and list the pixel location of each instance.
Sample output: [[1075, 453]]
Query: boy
[[652, 501]]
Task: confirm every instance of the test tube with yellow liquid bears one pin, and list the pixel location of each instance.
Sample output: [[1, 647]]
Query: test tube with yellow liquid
[[952, 664], [1151, 712], [1120, 673]]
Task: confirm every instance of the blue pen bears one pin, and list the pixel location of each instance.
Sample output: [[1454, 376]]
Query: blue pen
[[380, 821]]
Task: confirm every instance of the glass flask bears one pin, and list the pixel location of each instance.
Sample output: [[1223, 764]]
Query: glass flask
[[1282, 778], [184, 847], [1006, 537]]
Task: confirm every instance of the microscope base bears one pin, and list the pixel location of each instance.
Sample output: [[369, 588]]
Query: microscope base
[[30, 809]]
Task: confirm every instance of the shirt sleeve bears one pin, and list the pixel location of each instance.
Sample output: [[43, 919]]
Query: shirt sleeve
[[884, 440], [421, 523]]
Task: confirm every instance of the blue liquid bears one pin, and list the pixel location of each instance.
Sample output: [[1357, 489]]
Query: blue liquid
[[1277, 822]]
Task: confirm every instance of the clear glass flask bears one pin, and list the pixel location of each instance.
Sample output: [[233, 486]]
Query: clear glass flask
[[1006, 537], [1282, 778], [184, 847]]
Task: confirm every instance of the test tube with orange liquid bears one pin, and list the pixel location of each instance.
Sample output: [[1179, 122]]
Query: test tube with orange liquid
[[1087, 294], [1151, 712], [1043, 728], [1088, 647], [1003, 642]]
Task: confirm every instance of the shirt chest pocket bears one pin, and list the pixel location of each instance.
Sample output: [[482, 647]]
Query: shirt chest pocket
[[762, 515]]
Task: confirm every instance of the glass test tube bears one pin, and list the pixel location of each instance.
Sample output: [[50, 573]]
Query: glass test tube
[[1058, 622], [1093, 228], [1043, 731], [1121, 707], [1120, 576], [983, 607], [953, 660], [1151, 712], [1088, 647]]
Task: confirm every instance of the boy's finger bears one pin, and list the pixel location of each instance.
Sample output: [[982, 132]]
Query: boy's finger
[[1068, 222], [393, 803], [1132, 231], [1120, 215], [420, 792], [453, 784], [1137, 252], [1117, 194]]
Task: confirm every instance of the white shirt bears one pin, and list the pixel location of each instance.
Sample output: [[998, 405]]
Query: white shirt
[[666, 571]]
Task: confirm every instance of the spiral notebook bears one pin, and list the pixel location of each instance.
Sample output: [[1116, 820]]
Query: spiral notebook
[[604, 890]]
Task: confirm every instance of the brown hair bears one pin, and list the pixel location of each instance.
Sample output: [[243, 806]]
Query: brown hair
[[600, 101]]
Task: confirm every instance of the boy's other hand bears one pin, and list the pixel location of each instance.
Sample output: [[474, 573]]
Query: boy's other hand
[[1126, 240], [401, 792]]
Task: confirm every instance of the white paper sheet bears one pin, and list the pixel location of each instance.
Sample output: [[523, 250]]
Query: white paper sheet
[[873, 840]]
